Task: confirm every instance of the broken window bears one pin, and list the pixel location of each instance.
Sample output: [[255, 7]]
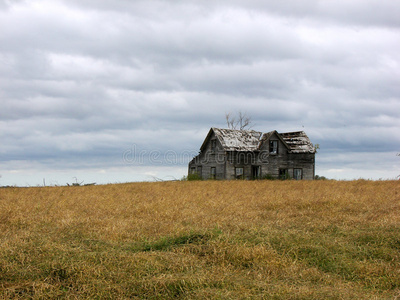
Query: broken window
[[239, 173], [256, 172], [298, 174], [283, 174], [273, 147], [213, 173]]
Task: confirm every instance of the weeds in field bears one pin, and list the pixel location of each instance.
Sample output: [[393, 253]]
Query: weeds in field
[[202, 239]]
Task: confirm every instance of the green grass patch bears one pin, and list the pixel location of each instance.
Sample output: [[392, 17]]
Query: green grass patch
[[168, 242], [367, 256]]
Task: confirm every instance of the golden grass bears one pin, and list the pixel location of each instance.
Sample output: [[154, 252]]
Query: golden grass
[[202, 240]]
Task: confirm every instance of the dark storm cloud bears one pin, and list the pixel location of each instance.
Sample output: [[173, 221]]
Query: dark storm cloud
[[83, 81]]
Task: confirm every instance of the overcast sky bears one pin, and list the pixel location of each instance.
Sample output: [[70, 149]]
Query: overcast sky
[[119, 91]]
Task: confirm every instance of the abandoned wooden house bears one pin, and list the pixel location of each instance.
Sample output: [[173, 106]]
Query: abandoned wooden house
[[249, 154]]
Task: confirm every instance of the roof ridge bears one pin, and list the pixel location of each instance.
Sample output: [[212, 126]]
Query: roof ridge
[[248, 130], [252, 140]]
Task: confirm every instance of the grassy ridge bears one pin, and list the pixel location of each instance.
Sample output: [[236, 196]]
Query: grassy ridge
[[196, 240]]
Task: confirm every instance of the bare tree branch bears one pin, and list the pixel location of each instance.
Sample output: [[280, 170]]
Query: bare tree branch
[[241, 122], [228, 120]]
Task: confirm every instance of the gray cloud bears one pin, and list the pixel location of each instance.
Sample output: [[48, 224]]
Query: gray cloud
[[83, 81]]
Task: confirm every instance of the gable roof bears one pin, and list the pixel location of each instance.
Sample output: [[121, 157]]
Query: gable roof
[[298, 142], [235, 140], [250, 140], [267, 135]]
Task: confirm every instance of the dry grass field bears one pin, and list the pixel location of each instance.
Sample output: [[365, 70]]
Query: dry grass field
[[202, 240]]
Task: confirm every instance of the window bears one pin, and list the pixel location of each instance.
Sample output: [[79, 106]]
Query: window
[[255, 172], [192, 170], [298, 174], [213, 145], [213, 173], [239, 173], [273, 147], [199, 171], [283, 174]]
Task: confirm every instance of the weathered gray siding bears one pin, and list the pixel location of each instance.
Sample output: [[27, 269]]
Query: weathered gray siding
[[240, 160], [226, 162], [209, 158], [271, 163]]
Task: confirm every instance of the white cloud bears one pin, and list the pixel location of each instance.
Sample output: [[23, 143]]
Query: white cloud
[[82, 81]]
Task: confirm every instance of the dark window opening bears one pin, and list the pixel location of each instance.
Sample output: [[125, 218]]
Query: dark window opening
[[199, 171], [283, 174], [213, 173], [256, 172]]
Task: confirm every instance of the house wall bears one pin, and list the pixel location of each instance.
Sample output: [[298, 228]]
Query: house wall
[[209, 158], [240, 160], [226, 162], [304, 161], [272, 163]]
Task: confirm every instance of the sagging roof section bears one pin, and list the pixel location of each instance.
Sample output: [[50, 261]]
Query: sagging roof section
[[298, 142], [250, 140], [238, 140]]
